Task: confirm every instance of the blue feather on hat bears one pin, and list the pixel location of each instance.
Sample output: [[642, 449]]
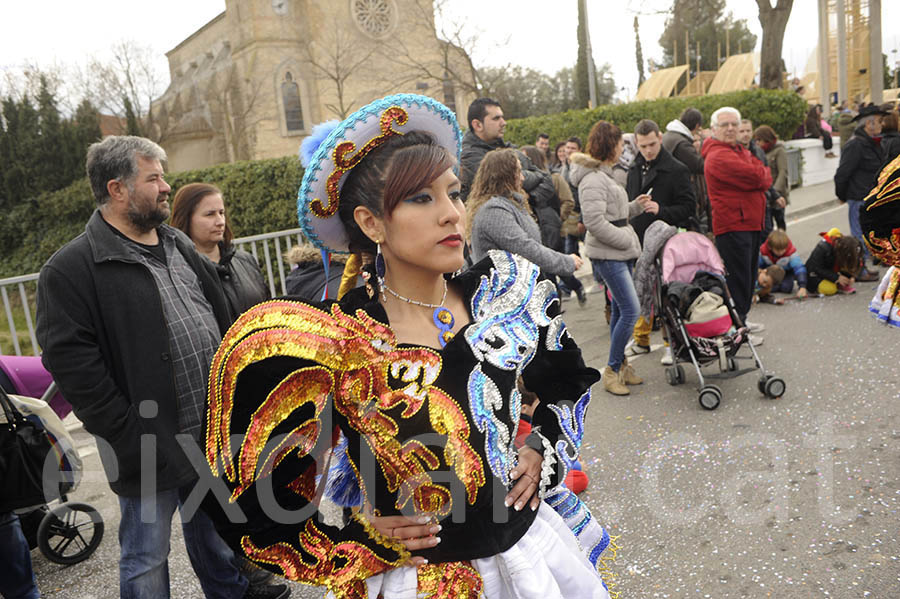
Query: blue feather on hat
[[309, 145]]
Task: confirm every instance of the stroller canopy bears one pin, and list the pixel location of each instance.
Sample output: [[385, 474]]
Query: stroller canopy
[[686, 253]]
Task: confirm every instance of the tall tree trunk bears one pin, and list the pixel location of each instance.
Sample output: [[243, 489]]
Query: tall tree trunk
[[639, 53], [773, 21], [582, 86]]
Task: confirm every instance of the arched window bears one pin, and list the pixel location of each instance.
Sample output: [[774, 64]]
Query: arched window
[[290, 96]]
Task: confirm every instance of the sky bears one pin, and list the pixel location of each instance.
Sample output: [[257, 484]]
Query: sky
[[533, 33]]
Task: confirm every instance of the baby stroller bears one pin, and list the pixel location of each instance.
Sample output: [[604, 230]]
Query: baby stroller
[[68, 532], [691, 258]]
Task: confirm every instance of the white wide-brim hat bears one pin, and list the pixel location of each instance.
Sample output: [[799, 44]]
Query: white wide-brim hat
[[348, 144]]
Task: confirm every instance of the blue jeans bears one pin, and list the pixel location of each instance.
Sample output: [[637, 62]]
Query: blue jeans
[[144, 566], [853, 208], [616, 274], [16, 576]]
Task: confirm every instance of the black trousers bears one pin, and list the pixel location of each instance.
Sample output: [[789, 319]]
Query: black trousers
[[740, 253]]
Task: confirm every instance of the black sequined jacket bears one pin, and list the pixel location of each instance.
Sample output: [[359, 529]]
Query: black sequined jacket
[[429, 431]]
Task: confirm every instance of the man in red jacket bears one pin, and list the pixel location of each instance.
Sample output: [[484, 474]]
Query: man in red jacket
[[736, 183]]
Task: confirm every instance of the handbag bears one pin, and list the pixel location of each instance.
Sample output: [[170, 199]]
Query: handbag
[[24, 449]]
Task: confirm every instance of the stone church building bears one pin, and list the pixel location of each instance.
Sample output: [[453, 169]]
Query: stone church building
[[253, 81]]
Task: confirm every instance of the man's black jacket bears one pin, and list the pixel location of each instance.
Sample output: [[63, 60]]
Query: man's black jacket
[[473, 151], [101, 326], [672, 190], [857, 172], [538, 185]]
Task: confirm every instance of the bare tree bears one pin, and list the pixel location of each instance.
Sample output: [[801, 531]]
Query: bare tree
[[25, 80], [457, 43], [233, 102], [337, 59], [774, 21], [134, 72]]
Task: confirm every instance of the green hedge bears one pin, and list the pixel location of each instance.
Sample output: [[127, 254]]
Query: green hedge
[[261, 197], [781, 110]]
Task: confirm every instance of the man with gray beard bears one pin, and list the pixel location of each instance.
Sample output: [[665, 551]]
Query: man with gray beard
[[129, 316]]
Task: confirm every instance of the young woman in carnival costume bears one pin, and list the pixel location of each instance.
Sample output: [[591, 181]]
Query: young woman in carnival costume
[[417, 370], [880, 223]]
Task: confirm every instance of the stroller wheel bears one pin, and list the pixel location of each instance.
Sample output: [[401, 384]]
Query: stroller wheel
[[774, 387], [710, 397], [671, 376], [70, 533], [761, 383], [675, 375]]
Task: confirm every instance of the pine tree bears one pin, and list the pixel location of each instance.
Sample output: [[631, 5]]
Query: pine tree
[[52, 156], [639, 53], [83, 130], [21, 151], [87, 124], [706, 23], [133, 126], [582, 87]]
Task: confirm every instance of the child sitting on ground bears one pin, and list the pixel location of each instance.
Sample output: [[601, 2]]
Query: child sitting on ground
[[768, 280], [778, 249], [833, 264]]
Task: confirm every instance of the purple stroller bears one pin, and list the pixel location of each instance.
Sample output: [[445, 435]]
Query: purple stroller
[[682, 257]]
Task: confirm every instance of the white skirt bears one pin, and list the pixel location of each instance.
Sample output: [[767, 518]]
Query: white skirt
[[546, 563], [882, 305]]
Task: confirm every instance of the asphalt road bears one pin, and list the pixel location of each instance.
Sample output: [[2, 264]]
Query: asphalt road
[[790, 498]]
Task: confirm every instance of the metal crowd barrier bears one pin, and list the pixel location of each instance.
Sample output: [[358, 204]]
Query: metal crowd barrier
[[19, 292]]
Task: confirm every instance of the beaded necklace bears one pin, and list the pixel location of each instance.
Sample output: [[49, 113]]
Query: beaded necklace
[[442, 317]]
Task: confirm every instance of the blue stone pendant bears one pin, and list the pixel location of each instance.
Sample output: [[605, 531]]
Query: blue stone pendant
[[443, 320]]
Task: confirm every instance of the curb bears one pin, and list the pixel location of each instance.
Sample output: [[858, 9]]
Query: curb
[[821, 207], [587, 277]]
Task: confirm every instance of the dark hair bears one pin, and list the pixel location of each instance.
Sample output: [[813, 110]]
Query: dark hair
[[691, 117], [554, 158], [390, 173], [528, 397], [602, 141], [478, 109], [536, 156], [185, 203], [542, 136], [812, 119], [765, 134], [576, 140], [646, 127], [890, 121], [847, 255]]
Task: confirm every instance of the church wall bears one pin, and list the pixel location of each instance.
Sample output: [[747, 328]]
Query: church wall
[[195, 47], [266, 44], [189, 154]]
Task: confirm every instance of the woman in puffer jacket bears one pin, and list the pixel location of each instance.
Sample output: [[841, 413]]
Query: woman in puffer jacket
[[611, 243]]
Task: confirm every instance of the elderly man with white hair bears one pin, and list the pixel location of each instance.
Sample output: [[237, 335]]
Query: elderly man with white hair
[[736, 183]]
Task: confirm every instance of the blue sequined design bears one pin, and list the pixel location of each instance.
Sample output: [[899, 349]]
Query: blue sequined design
[[497, 439], [578, 518], [571, 421], [508, 309]]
